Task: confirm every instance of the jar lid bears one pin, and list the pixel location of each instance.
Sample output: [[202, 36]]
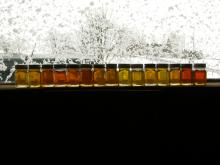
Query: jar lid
[[111, 66], [200, 65], [34, 66], [136, 65], [174, 65], [21, 66], [59, 66], [73, 66], [124, 65], [186, 66], [150, 65], [47, 66], [86, 66], [99, 65], [162, 65]]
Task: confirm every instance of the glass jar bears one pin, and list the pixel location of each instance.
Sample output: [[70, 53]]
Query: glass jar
[[200, 75], [47, 77], [162, 75], [21, 76], [150, 75], [111, 75], [73, 75], [124, 75], [186, 74], [34, 76], [60, 75], [86, 75], [99, 75], [137, 75], [175, 74]]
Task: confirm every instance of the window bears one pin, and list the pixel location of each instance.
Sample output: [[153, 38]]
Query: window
[[109, 31]]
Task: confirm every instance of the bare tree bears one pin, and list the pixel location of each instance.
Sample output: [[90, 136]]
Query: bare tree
[[61, 45], [192, 55], [102, 39]]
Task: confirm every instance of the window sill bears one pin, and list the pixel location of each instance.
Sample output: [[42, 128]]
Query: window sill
[[212, 83]]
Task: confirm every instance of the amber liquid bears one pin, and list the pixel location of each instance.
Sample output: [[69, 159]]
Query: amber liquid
[[150, 77], [86, 78], [137, 78], [99, 77], [186, 77], [175, 77], [163, 77], [200, 77], [47, 79], [124, 77], [21, 78], [73, 77], [111, 77], [60, 78], [34, 78]]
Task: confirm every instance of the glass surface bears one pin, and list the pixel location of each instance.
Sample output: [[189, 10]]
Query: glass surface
[[103, 31]]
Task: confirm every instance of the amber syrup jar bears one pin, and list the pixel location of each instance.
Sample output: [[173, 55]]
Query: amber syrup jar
[[47, 76], [150, 74], [111, 75], [34, 76], [86, 75], [137, 74], [163, 75], [200, 75], [175, 73], [73, 75], [99, 75], [124, 75], [21, 76], [60, 77], [186, 74]]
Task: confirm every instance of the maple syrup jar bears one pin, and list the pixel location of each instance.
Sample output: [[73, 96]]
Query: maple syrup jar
[[73, 75], [150, 75], [137, 74], [111, 75], [21, 76], [124, 75], [175, 74], [163, 75], [99, 75], [86, 75], [200, 75], [60, 77], [47, 77], [34, 76], [186, 75]]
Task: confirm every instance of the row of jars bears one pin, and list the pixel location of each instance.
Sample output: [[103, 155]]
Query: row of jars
[[86, 75]]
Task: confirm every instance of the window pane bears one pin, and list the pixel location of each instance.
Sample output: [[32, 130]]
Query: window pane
[[105, 31]]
